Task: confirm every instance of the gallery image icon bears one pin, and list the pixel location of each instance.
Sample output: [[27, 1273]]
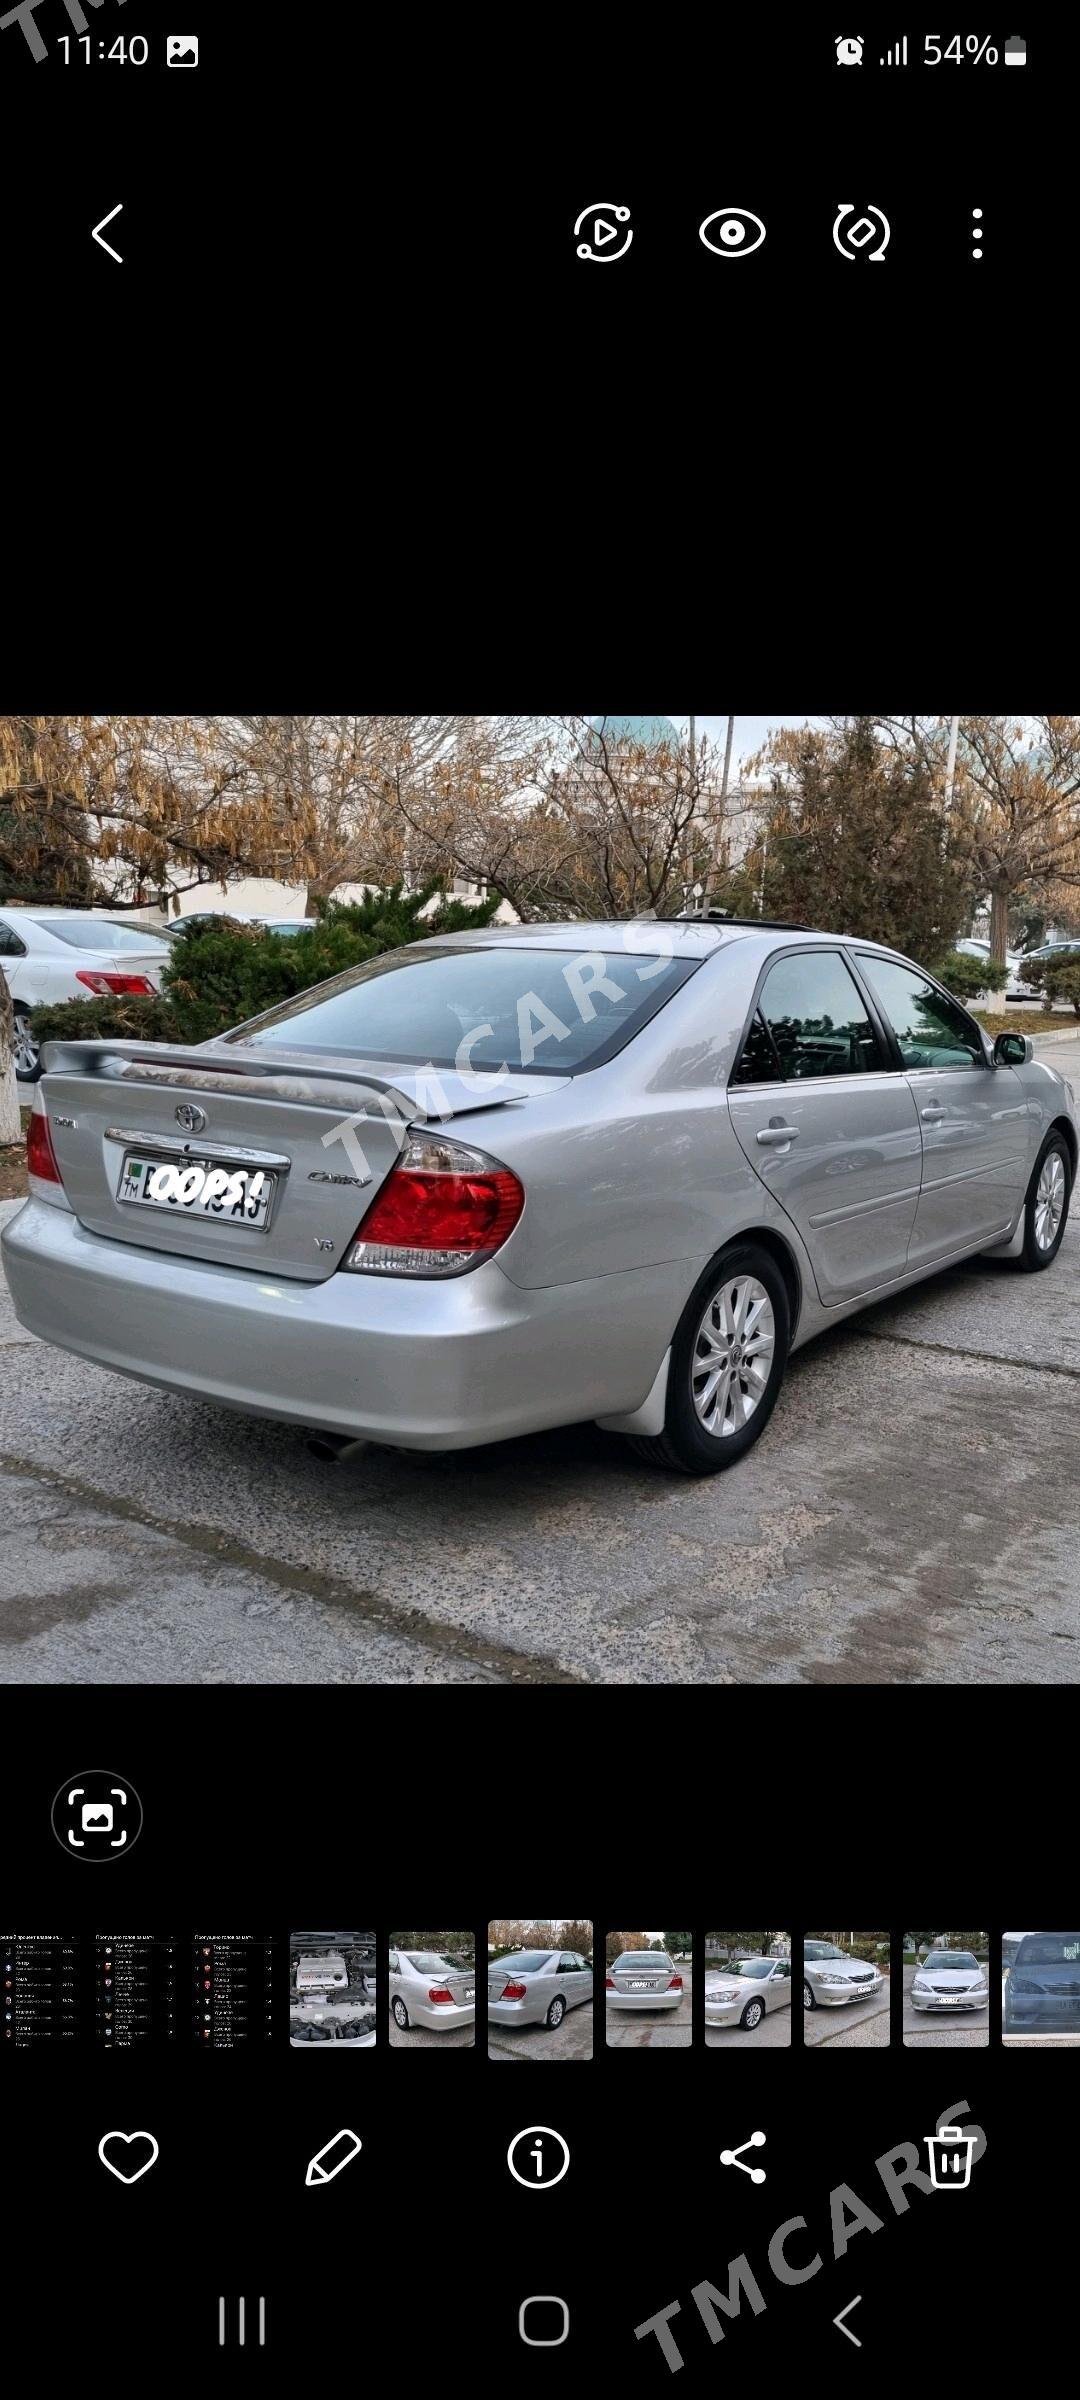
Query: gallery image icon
[[335, 2154], [182, 50], [733, 2158], [97, 1815]]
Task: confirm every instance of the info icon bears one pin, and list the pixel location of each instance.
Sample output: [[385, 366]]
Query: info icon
[[97, 1815]]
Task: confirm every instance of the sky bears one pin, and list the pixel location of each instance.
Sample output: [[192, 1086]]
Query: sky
[[750, 732]]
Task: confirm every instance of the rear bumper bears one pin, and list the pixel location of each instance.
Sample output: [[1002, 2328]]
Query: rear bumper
[[647, 2000], [422, 1365]]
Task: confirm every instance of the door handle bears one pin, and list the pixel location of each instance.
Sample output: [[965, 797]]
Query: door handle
[[771, 1136], [935, 1110]]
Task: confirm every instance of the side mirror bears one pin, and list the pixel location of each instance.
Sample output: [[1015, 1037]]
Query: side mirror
[[1013, 1050]]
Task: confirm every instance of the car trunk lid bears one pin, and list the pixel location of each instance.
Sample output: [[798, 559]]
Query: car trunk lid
[[324, 1133]]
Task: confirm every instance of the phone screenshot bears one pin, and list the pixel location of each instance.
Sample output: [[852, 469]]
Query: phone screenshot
[[539, 1253]]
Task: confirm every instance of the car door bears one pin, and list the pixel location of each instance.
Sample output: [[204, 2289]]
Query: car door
[[12, 949], [393, 1975], [973, 1115], [779, 1988], [576, 1978], [828, 1122]]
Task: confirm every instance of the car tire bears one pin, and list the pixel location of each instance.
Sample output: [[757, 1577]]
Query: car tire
[[808, 1999], [555, 2014], [27, 1049], [687, 1443], [751, 2016], [400, 2013], [1046, 1208]]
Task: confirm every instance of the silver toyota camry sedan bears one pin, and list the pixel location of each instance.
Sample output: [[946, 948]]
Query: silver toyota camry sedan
[[949, 1979], [832, 1977], [644, 1979], [496, 1182], [742, 1995], [427, 1989], [536, 1987]]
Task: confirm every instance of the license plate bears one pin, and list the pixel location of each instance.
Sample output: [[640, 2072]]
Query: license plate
[[641, 1987], [198, 1187], [469, 1991]]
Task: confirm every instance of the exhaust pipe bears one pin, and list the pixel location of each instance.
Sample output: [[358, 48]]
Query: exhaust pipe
[[335, 1449]]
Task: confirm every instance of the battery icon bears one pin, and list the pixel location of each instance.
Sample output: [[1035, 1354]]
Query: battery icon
[[950, 2158], [1016, 51]]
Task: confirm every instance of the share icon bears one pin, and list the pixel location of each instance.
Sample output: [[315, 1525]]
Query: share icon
[[733, 2158]]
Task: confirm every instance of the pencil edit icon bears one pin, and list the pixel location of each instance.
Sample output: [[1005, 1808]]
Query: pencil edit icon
[[335, 2154]]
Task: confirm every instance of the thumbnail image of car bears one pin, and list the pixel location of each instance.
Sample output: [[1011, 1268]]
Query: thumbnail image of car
[[1041, 1989], [743, 1995], [531, 1993], [431, 1990], [852, 1976], [946, 1993], [332, 1990], [647, 1992]]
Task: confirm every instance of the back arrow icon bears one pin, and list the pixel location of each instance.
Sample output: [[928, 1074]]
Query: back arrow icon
[[846, 2329], [95, 235]]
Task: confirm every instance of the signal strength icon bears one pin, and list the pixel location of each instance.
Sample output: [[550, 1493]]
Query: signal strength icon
[[897, 56]]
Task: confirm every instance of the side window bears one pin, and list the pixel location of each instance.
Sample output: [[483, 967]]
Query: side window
[[932, 1030], [816, 1017], [758, 1061], [10, 944], [393, 1962]]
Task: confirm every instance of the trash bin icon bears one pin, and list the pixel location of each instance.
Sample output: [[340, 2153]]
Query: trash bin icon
[[1016, 51], [950, 2158]]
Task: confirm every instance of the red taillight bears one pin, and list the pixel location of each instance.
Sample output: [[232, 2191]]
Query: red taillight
[[40, 1155], [442, 1999], [515, 1991], [676, 1984], [442, 1208], [609, 1983], [103, 984]]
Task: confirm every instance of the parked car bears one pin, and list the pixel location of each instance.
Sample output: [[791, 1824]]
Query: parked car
[[536, 1987], [1042, 1990], [643, 1979], [744, 1995], [427, 1989], [199, 918], [1015, 987], [48, 955], [832, 1977], [418, 1205], [949, 1979]]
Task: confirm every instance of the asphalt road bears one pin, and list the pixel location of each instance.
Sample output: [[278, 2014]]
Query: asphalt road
[[961, 2029], [859, 2025], [148, 1538], [572, 2039], [424, 2037], [652, 2029]]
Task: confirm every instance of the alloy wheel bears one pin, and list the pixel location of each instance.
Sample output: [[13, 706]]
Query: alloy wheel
[[733, 1355], [26, 1049], [1049, 1200]]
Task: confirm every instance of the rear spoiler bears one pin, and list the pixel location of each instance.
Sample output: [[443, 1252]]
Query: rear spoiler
[[217, 1067]]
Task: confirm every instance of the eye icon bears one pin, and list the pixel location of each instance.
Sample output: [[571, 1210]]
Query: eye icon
[[732, 232]]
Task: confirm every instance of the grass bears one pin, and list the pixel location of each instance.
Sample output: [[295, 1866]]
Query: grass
[[1036, 1021]]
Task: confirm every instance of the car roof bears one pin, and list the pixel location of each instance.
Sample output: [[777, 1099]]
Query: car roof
[[687, 938]]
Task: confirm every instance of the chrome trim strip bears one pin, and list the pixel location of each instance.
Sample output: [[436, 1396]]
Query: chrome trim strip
[[194, 1149], [865, 1208]]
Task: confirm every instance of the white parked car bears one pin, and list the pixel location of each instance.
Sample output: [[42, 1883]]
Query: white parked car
[[52, 954], [832, 1977], [949, 1979], [427, 1989], [742, 1995], [1015, 987]]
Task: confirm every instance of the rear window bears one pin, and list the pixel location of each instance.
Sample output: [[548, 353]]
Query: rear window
[[425, 1962], [527, 1962], [97, 933], [539, 1012]]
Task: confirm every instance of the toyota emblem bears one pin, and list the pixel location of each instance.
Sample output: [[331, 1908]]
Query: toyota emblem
[[191, 1118]]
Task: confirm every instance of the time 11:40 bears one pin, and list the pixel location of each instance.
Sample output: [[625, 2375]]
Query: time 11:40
[[133, 53]]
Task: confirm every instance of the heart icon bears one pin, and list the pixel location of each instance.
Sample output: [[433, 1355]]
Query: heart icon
[[131, 2154]]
